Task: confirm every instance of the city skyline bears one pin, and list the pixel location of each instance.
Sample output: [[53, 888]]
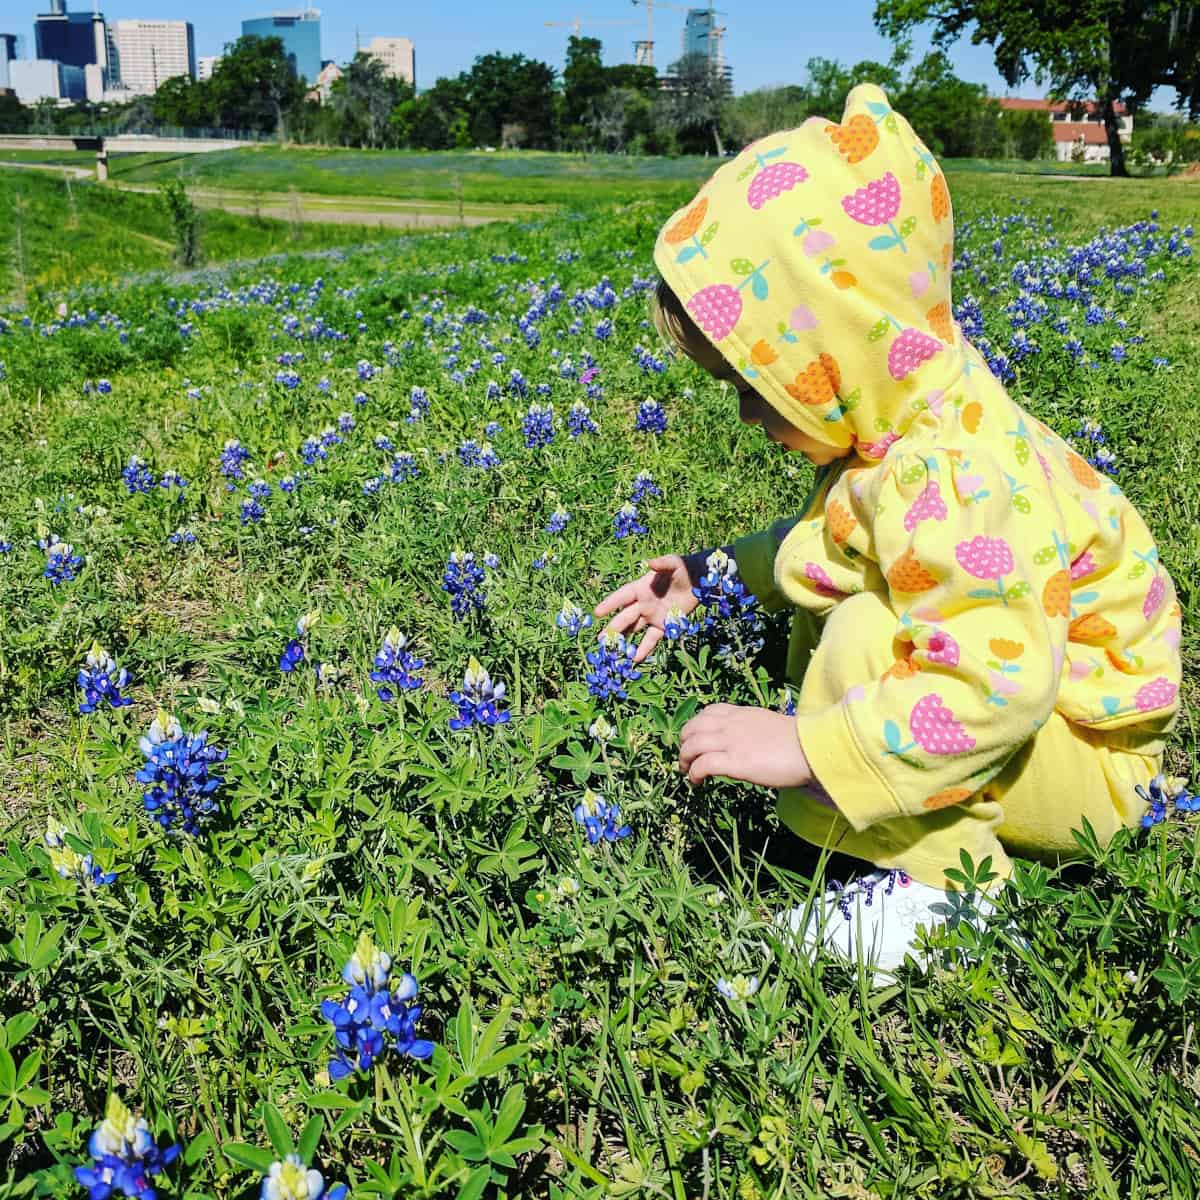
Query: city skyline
[[766, 42]]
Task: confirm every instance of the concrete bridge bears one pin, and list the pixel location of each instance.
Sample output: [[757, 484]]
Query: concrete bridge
[[123, 143]]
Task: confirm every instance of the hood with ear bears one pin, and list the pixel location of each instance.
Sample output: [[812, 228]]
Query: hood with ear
[[817, 262]]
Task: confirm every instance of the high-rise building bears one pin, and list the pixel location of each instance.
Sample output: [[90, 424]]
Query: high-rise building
[[35, 79], [397, 55], [73, 38], [301, 36], [205, 64], [8, 53], [148, 53], [697, 32]]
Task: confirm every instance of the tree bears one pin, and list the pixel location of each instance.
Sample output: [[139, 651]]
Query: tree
[[183, 102], [505, 89], [584, 80], [1110, 51], [943, 108], [254, 85], [363, 100], [693, 100]]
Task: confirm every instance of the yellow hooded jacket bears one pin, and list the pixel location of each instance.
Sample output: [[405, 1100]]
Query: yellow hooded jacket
[[818, 263]]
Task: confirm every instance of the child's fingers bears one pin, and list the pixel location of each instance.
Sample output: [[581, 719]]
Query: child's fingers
[[715, 762], [665, 562], [619, 599], [652, 638], [623, 621]]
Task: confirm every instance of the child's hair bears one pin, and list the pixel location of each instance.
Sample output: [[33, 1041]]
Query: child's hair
[[671, 320]]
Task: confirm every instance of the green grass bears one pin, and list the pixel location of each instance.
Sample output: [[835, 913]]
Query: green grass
[[88, 232], [586, 1023]]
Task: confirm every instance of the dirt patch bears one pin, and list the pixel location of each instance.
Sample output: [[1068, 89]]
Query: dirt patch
[[1192, 171]]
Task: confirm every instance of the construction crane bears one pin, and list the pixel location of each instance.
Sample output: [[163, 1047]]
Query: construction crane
[[644, 50], [579, 22]]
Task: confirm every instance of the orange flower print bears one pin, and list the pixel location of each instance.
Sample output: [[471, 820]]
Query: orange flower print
[[687, 224], [763, 354], [1006, 650]]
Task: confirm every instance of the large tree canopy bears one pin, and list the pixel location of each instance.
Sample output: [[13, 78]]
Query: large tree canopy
[[1102, 50]]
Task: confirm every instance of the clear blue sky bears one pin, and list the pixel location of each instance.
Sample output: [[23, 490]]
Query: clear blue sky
[[768, 41]]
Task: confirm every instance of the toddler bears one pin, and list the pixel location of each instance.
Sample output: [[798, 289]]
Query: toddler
[[985, 643]]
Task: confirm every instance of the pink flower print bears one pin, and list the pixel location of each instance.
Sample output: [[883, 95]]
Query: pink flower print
[[1091, 510], [875, 204], [1158, 693], [910, 349], [802, 318], [967, 485], [942, 648], [929, 505], [1083, 566], [1082, 668], [824, 586], [1049, 474], [880, 448], [773, 181], [716, 309], [930, 614], [918, 282], [989, 558], [935, 399], [1154, 597], [936, 728], [985, 557], [856, 693], [816, 241], [1002, 685], [1172, 637]]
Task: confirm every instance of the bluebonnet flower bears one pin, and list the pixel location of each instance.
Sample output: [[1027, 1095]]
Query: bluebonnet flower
[[740, 987], [101, 681], [627, 522], [418, 405], [180, 788], [490, 560], [1159, 361], [373, 485], [289, 379], [288, 484], [612, 667], [648, 362], [538, 425], [463, 579], [492, 428], [138, 477], [468, 453], [600, 819], [61, 560], [493, 390], [172, 479], [559, 520], [644, 488], [6, 547], [329, 437], [678, 625], [478, 700], [291, 1179], [403, 466], [603, 330], [361, 398], [232, 456], [292, 657], [788, 707], [572, 619], [312, 451], [602, 729], [383, 442], [260, 489], [372, 1010], [182, 537], [345, 422], [103, 386], [1104, 460], [365, 370], [323, 384], [579, 420], [727, 603], [124, 1156], [396, 666], [651, 417], [69, 864], [1163, 792], [1117, 353], [543, 561]]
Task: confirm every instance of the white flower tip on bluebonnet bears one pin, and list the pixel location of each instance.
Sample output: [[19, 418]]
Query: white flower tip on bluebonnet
[[307, 621], [208, 706], [740, 987], [97, 657], [327, 674], [720, 563], [292, 1180], [592, 803], [120, 1133], [567, 887], [715, 898], [628, 508], [54, 833], [394, 639], [164, 728], [602, 729], [368, 964], [407, 989]]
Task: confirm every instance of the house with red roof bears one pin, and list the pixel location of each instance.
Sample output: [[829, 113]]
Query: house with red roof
[[1077, 126]]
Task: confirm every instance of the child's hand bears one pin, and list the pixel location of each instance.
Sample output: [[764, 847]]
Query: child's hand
[[755, 745], [645, 603]]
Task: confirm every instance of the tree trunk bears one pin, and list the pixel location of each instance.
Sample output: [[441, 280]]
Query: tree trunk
[[1116, 149], [716, 132]]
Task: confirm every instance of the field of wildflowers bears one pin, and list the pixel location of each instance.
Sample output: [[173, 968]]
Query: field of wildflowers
[[342, 857]]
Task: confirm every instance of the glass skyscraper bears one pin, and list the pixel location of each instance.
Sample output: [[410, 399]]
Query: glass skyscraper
[[74, 38], [300, 33]]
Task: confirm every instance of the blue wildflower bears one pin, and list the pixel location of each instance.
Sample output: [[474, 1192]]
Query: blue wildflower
[[538, 425], [677, 625], [101, 681], [1162, 792], [124, 1156], [603, 330], [644, 488], [478, 700], [651, 418], [579, 420], [182, 537], [103, 386], [403, 467], [172, 479], [418, 405], [463, 580], [383, 442], [288, 484], [330, 437], [61, 560], [627, 522], [180, 789], [291, 1179], [600, 819], [292, 657], [138, 477], [396, 667], [612, 667], [571, 618], [468, 453], [345, 422], [312, 451], [559, 520], [70, 864], [365, 370], [727, 604]]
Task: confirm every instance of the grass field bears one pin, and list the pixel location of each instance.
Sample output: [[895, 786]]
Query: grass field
[[582, 1048]]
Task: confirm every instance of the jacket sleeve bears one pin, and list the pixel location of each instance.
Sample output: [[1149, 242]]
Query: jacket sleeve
[[755, 558], [975, 661]]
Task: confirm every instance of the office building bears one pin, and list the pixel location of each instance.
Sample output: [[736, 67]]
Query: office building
[[35, 79], [300, 33], [205, 65], [397, 55], [73, 38], [147, 53], [703, 34], [8, 53]]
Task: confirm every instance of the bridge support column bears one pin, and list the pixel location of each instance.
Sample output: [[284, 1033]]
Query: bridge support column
[[102, 164]]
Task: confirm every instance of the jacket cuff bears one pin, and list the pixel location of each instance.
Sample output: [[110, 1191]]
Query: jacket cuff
[[853, 781], [755, 558]]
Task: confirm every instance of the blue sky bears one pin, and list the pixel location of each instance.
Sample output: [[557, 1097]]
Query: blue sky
[[768, 41]]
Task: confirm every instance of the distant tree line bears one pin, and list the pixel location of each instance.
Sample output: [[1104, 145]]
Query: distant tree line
[[511, 101]]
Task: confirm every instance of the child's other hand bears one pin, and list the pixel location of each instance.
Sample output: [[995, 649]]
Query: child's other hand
[[645, 603], [735, 741]]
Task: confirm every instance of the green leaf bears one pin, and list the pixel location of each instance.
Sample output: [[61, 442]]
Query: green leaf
[[252, 1157], [198, 1147], [1021, 450], [476, 1182], [879, 329], [467, 1143], [8, 1074], [310, 1137], [28, 1069], [709, 233], [329, 1100], [278, 1134], [17, 1028], [1021, 504]]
